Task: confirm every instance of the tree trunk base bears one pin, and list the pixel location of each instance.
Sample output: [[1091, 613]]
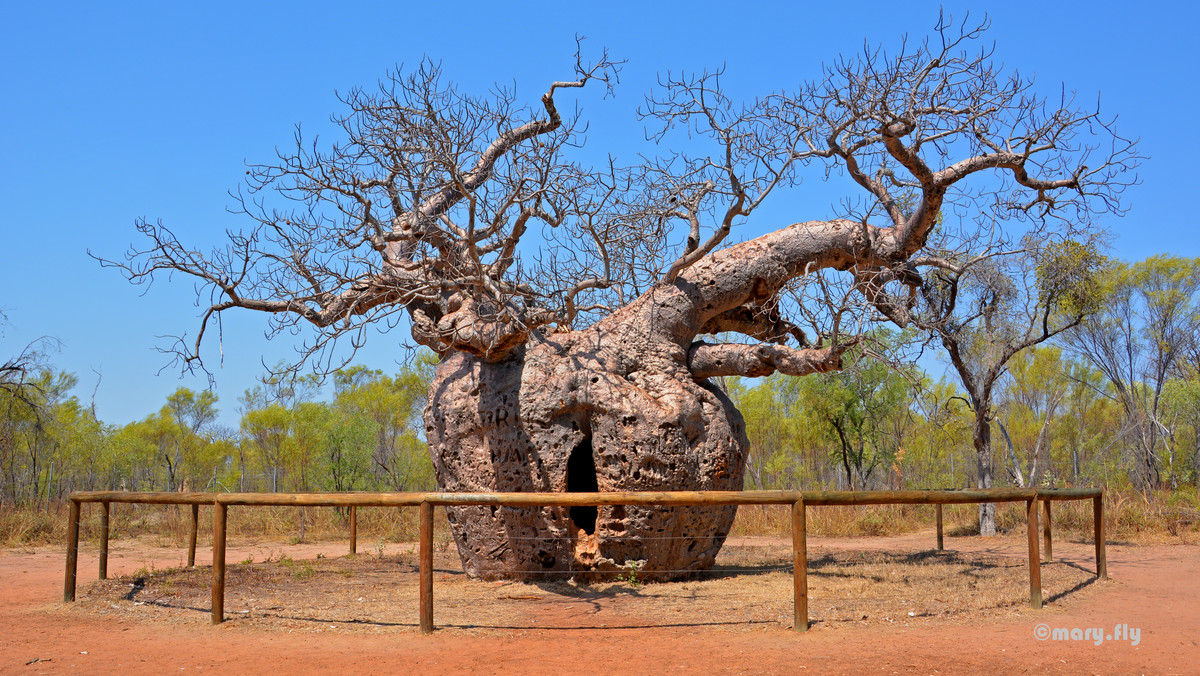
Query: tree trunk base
[[572, 414]]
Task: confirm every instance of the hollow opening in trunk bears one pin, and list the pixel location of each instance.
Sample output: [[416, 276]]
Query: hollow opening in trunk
[[581, 478]]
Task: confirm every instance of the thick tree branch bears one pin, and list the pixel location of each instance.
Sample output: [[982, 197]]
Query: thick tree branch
[[761, 321], [708, 360]]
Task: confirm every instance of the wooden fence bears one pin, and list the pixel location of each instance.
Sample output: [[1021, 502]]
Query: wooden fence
[[799, 501]]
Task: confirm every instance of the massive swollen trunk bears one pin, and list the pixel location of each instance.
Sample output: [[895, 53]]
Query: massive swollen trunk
[[617, 406], [584, 411]]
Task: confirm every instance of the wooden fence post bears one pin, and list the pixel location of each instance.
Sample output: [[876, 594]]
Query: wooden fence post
[[799, 567], [192, 536], [426, 568], [940, 543], [1048, 555], [1098, 518], [104, 541], [72, 553], [353, 529], [218, 566], [1035, 565]]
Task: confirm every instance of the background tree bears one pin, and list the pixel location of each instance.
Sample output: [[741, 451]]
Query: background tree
[[865, 410], [944, 430], [50, 444], [391, 408], [990, 308], [583, 365], [268, 431], [366, 437], [1032, 394], [23, 404], [1179, 414], [1090, 431], [1139, 340], [345, 443], [187, 416], [770, 429]]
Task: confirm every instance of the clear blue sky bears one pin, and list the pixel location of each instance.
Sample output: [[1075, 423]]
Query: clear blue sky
[[114, 111]]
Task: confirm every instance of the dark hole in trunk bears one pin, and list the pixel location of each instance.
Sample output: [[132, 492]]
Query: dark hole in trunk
[[581, 478]]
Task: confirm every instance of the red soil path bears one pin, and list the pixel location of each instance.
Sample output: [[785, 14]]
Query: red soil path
[[1154, 588]]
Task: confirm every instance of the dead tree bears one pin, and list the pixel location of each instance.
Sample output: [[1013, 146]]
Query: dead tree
[[570, 305]]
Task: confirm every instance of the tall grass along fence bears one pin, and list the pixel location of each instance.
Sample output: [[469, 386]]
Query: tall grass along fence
[[798, 501]]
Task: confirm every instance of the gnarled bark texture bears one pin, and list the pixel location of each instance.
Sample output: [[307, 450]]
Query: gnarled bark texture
[[584, 411], [617, 406]]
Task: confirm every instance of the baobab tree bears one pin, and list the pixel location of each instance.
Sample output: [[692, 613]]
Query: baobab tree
[[575, 309]]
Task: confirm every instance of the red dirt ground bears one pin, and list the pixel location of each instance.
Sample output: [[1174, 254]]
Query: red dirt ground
[[1154, 588]]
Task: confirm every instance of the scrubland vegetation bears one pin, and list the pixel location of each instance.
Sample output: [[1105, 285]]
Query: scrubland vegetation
[[1114, 403]]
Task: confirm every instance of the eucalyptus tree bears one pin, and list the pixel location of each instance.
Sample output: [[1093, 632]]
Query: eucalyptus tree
[[985, 310], [31, 392], [1145, 335], [1033, 395], [573, 306], [863, 412]]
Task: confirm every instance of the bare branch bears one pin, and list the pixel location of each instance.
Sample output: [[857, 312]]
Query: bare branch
[[468, 215]]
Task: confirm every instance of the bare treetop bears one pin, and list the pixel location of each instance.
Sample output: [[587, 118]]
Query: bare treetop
[[467, 214]]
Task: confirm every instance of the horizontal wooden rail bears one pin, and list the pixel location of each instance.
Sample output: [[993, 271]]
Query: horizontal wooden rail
[[263, 499], [1069, 493], [659, 498], [918, 497], [797, 500], [815, 498], [322, 499], [145, 498]]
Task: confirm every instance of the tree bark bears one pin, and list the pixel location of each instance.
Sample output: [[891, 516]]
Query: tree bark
[[621, 405], [982, 438], [601, 409], [1018, 475]]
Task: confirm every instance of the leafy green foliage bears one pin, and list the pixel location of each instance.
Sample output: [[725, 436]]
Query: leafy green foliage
[[367, 437], [1070, 277], [1144, 337], [846, 427], [862, 412]]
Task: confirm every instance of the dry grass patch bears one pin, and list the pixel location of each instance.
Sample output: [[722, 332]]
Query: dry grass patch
[[751, 588]]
